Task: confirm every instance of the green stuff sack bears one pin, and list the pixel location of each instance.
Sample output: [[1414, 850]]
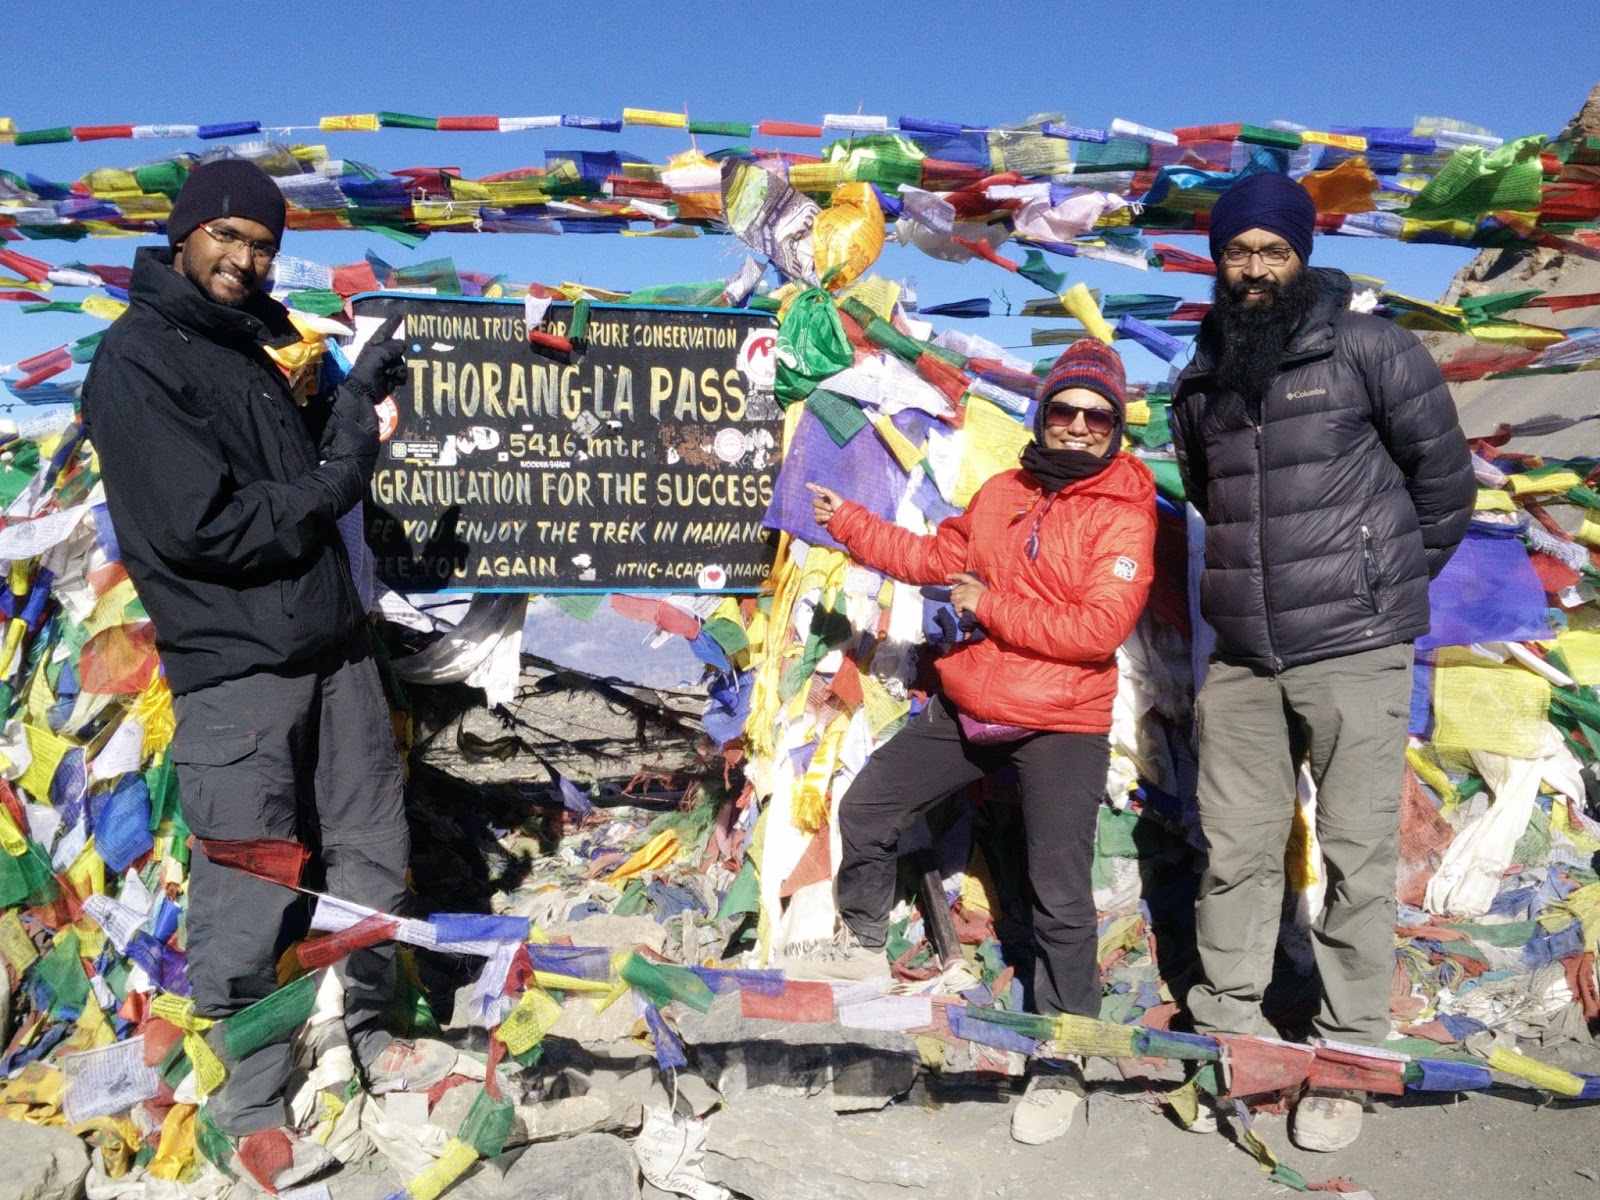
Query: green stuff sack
[[811, 346]]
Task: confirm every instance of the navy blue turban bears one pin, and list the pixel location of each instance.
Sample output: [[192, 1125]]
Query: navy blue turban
[[1267, 201]]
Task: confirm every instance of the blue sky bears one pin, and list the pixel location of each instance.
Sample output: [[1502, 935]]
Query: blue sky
[[1161, 63]]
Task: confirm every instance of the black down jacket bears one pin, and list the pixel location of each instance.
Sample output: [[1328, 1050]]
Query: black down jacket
[[225, 519], [1330, 506]]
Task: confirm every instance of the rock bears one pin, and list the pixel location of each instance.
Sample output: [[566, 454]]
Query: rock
[[42, 1163], [546, 1120], [592, 1166], [619, 933], [583, 1021], [774, 1147], [854, 1068]]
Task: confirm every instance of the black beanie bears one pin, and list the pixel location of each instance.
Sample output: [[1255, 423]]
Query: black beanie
[[226, 187]]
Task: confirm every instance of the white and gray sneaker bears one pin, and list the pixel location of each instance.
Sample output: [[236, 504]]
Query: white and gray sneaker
[[843, 960], [1049, 1105]]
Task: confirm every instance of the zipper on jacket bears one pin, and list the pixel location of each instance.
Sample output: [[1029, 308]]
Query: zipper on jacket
[[1261, 524], [1369, 567]]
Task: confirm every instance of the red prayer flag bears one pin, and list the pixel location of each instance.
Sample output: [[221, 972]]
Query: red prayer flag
[[788, 129], [1182, 262], [799, 1001], [815, 865], [1341, 1069], [330, 948], [470, 124], [95, 133], [1256, 1066], [277, 860]]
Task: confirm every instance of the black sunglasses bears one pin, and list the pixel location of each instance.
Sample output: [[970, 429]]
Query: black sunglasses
[[1098, 421]]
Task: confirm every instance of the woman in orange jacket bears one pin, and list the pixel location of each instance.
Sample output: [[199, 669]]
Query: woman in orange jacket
[[1049, 568]]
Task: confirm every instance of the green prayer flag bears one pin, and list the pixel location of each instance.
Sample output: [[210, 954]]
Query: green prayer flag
[[728, 635], [1476, 181], [487, 1124], [745, 894], [271, 1019], [662, 983], [320, 301], [740, 129], [1036, 270], [580, 606], [394, 120], [840, 416], [1258, 135], [38, 137], [61, 971]]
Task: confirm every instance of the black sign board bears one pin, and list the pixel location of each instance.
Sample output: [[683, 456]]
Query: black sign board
[[641, 461]]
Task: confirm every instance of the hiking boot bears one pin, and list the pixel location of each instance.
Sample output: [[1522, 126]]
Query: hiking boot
[[1046, 1111], [843, 960], [1326, 1120], [1205, 1116], [409, 1066], [274, 1159]]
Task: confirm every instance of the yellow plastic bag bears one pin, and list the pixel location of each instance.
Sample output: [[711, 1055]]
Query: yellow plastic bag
[[848, 235]]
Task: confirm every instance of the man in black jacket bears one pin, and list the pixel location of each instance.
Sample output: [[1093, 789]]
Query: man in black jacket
[[1322, 447], [224, 479]]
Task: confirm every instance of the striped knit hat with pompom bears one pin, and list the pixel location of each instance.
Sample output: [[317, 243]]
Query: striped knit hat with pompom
[[1087, 363]]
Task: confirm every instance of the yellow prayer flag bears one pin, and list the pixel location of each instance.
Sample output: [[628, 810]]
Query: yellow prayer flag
[[15, 944], [1342, 141], [556, 982], [47, 750], [1540, 1075], [658, 852], [1543, 485], [992, 442], [526, 1024], [451, 1165], [651, 116], [176, 1150], [1581, 650], [209, 1073], [350, 123], [1087, 1035], [811, 801], [908, 456], [1483, 705], [106, 308], [1138, 413], [87, 873], [12, 840], [1493, 500], [1080, 304], [816, 177], [882, 707], [1516, 333]]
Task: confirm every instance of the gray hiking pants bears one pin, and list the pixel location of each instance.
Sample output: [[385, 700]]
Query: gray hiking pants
[[1349, 715], [309, 757]]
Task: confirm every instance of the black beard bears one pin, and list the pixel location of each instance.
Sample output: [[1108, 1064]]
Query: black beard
[[1253, 335]]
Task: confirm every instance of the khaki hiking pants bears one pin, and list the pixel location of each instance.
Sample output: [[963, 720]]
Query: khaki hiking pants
[[1349, 716]]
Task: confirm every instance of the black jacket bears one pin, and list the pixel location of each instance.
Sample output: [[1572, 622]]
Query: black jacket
[[224, 516], [1327, 511]]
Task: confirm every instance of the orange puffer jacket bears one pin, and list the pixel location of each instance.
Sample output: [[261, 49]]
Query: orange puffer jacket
[[1054, 621]]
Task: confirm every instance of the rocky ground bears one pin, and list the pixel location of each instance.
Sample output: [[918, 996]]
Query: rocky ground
[[775, 1132]]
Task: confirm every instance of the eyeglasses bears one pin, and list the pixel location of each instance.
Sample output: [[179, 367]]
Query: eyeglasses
[[1098, 421], [1272, 256], [228, 239]]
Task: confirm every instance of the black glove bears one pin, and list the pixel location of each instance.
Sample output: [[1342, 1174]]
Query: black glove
[[380, 368]]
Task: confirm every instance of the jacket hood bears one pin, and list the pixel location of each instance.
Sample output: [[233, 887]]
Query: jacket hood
[[259, 320], [1313, 337]]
